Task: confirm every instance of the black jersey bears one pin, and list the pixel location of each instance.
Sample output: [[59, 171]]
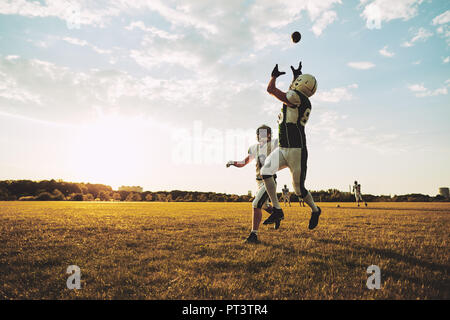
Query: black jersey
[[291, 123]]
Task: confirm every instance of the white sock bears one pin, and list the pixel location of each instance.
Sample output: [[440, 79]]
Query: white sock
[[310, 201], [271, 189]]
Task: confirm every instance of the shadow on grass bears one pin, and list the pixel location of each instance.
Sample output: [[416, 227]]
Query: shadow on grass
[[395, 209], [391, 254]]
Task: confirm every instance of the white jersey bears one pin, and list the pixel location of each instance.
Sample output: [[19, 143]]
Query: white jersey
[[357, 188], [285, 191], [260, 153]]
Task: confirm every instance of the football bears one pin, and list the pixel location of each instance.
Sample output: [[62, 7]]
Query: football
[[296, 36]]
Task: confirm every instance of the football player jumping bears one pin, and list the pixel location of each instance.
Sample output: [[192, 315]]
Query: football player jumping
[[259, 152], [292, 152]]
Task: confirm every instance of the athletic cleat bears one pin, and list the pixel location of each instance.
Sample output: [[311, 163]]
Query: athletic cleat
[[277, 224], [276, 215], [365, 204], [314, 221], [252, 238], [269, 210]]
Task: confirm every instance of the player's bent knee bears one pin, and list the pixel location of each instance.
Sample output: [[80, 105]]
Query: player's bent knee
[[258, 203]]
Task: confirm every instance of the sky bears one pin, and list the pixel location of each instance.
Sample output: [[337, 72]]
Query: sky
[[161, 94]]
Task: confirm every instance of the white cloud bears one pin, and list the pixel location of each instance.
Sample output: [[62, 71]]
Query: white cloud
[[417, 62], [421, 91], [84, 43], [386, 53], [446, 59], [378, 11], [152, 30], [361, 65], [87, 12], [443, 29], [74, 41], [10, 90], [335, 95], [326, 19], [334, 132], [442, 18], [421, 35], [417, 87], [43, 90]]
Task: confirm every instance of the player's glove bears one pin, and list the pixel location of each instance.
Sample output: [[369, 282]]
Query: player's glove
[[230, 163], [276, 73], [298, 71]]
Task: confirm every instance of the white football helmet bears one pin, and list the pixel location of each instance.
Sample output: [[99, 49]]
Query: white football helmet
[[305, 83]]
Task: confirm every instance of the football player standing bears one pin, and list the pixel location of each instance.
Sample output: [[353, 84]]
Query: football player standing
[[259, 152], [286, 195], [357, 191]]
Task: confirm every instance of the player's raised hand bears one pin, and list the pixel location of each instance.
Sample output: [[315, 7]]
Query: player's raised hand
[[276, 73], [298, 71]]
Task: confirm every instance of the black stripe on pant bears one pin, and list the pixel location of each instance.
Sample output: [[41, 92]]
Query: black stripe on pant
[[303, 169], [263, 199]]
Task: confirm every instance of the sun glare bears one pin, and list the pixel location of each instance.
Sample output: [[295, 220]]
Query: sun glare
[[112, 150]]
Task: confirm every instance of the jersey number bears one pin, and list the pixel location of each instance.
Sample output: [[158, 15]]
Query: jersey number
[[305, 117]]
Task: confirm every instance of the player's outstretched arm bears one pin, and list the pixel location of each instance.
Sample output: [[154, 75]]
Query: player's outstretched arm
[[277, 93], [239, 164]]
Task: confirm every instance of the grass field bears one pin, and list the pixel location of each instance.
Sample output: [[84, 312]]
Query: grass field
[[196, 251]]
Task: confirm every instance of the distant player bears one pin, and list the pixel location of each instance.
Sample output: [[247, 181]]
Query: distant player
[[357, 191], [292, 152], [259, 152], [286, 195]]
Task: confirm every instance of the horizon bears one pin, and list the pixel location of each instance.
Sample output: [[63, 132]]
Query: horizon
[[202, 191], [162, 95]]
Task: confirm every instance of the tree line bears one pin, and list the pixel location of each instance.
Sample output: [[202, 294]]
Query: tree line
[[58, 190]]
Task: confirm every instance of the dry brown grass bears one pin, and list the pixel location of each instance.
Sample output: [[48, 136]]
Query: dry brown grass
[[196, 251]]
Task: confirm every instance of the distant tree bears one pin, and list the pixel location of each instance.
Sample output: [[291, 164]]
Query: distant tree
[[149, 197], [44, 196], [88, 197], [104, 195], [3, 194], [134, 197], [76, 197], [160, 197], [116, 196], [58, 195], [129, 197]]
